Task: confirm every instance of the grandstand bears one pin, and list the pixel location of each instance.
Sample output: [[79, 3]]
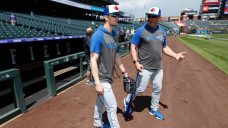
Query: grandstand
[[215, 26], [212, 16]]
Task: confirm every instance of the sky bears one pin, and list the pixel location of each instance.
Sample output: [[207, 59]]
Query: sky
[[168, 7]]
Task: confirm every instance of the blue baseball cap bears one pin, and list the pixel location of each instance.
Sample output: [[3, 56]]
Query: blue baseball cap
[[110, 9]]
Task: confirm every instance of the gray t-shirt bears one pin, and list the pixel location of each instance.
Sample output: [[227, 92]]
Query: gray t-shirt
[[104, 43], [150, 42]]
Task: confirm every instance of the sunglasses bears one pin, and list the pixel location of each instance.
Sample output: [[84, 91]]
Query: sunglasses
[[151, 16], [114, 15]]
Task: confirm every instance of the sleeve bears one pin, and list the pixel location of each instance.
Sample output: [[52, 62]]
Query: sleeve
[[164, 36], [96, 42], [118, 49], [165, 41], [136, 38]]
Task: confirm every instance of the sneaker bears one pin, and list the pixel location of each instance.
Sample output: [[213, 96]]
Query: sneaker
[[127, 108], [157, 114], [88, 82], [106, 125]]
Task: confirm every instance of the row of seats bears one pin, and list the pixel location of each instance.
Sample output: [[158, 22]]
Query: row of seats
[[8, 31], [216, 24], [40, 26]]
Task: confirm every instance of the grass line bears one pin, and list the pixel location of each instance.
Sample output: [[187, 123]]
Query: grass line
[[213, 51]]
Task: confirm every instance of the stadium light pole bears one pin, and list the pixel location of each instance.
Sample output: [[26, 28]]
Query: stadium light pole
[[144, 7], [180, 11], [179, 21]]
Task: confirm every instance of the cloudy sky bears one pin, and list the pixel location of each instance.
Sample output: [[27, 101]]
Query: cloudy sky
[[168, 7]]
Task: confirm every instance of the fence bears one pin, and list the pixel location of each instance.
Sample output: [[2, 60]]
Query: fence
[[50, 74], [13, 74]]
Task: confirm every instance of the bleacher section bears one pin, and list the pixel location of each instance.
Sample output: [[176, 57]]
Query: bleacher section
[[9, 31], [212, 24], [168, 26], [28, 26], [201, 24], [42, 26], [191, 23], [220, 24]]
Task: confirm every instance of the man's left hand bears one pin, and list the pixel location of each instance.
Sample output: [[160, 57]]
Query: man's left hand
[[180, 56]]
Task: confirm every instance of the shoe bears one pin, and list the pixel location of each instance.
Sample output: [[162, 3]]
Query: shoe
[[157, 114], [106, 125], [88, 82], [127, 108]]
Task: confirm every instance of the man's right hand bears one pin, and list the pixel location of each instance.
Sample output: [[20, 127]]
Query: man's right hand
[[99, 90], [138, 67]]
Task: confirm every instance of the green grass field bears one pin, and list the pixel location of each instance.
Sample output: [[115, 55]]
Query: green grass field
[[224, 36], [214, 50]]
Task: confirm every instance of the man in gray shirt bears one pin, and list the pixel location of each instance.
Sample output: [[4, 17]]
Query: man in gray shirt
[[147, 46]]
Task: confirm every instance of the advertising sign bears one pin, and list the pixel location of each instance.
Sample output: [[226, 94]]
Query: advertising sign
[[206, 2], [226, 7], [210, 8], [79, 5]]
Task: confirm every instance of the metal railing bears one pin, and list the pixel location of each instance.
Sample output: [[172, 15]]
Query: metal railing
[[13, 74], [49, 72]]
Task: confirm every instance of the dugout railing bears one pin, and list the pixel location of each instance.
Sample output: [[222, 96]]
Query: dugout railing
[[20, 107], [51, 74]]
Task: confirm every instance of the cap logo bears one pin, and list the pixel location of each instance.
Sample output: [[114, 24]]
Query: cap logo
[[116, 8], [152, 10]]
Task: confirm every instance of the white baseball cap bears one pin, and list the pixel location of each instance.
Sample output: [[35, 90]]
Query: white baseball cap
[[109, 9], [155, 11]]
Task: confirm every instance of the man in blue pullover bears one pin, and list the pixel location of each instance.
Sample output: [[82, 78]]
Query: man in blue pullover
[[104, 55]]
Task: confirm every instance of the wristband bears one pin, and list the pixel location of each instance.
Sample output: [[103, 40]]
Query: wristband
[[125, 74], [135, 61]]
